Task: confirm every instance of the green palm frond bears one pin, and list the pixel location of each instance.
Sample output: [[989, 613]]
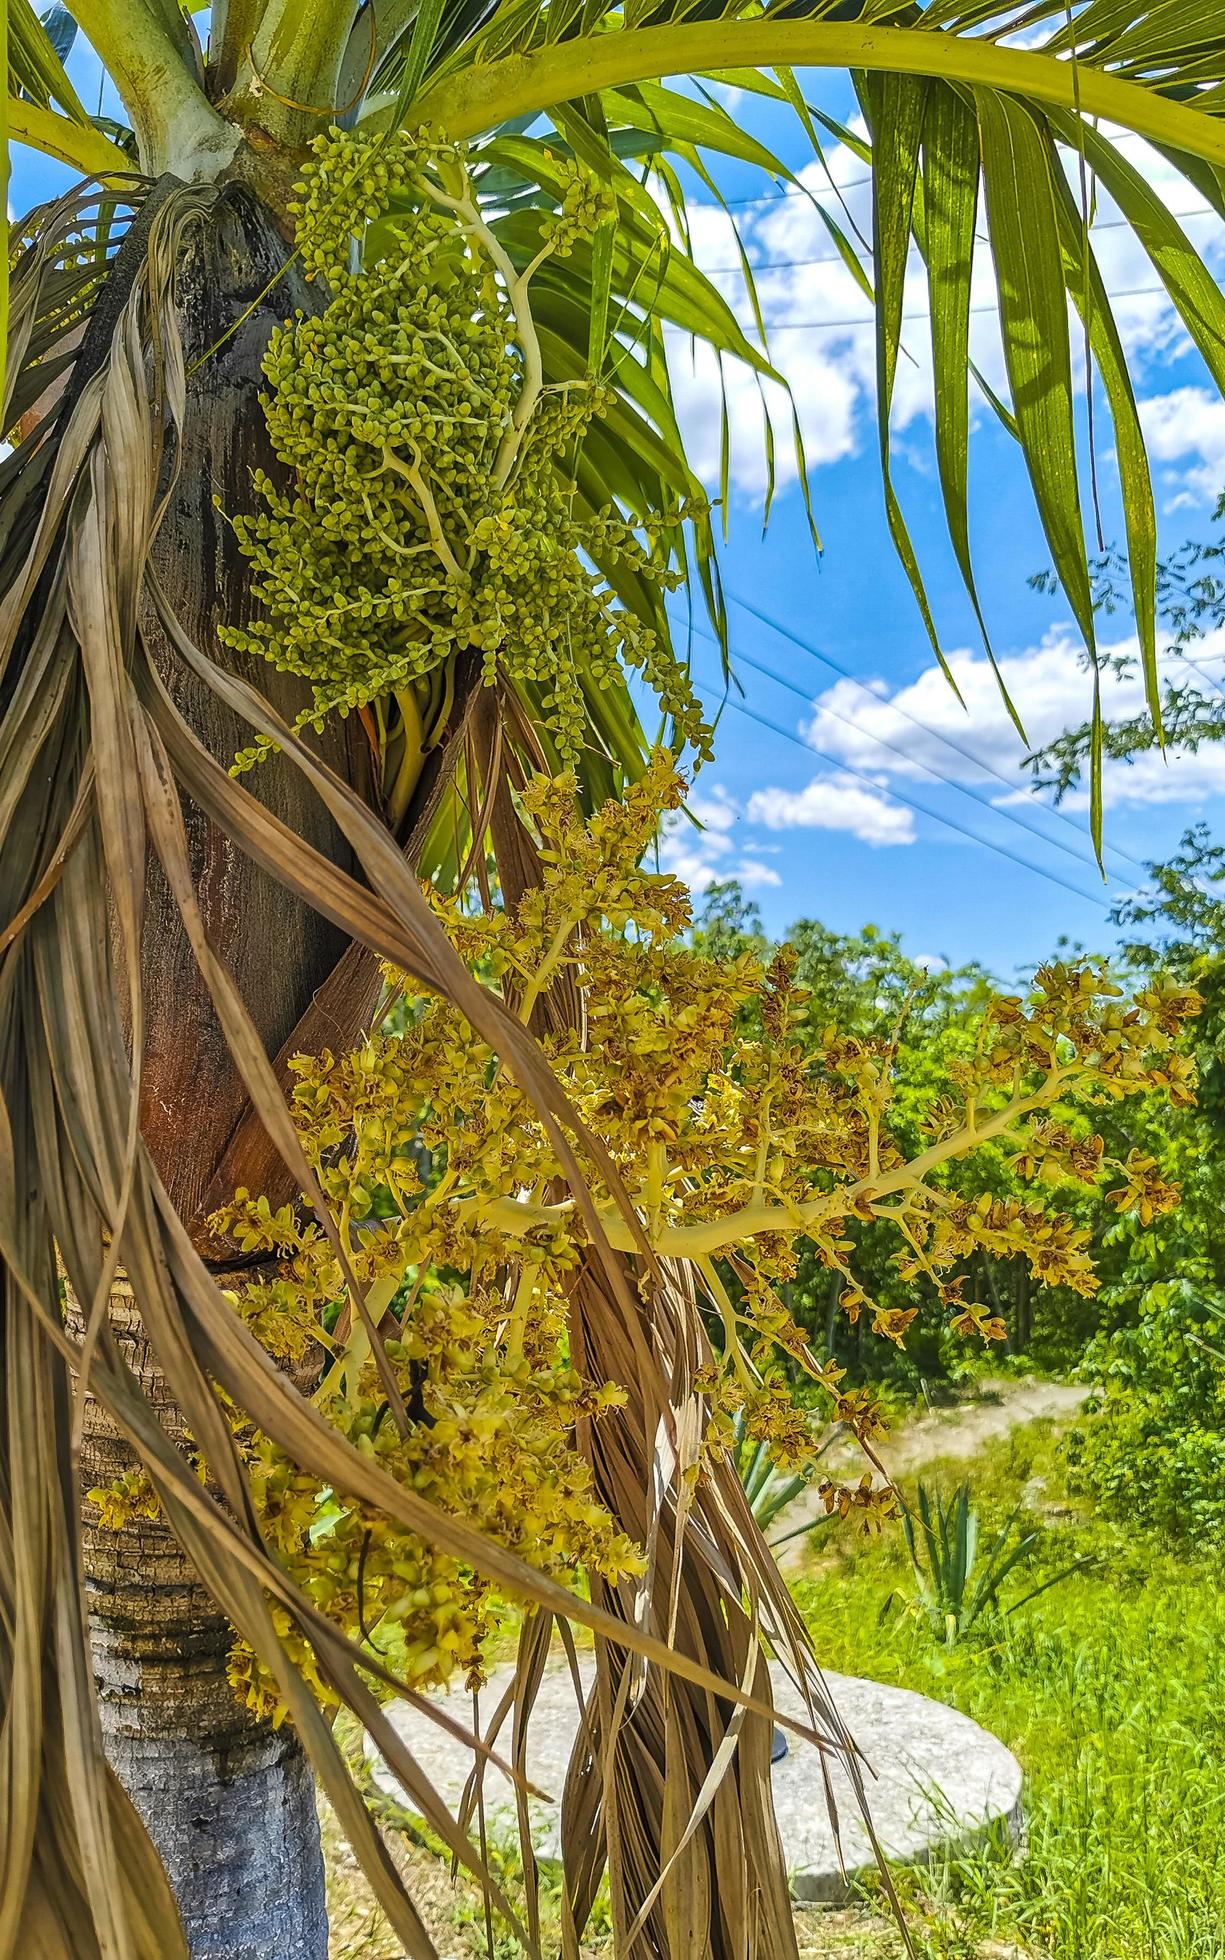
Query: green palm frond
[[44, 109], [960, 120], [957, 117]]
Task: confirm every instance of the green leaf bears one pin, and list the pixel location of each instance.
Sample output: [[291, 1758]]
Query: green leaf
[[948, 212], [35, 63], [746, 264], [680, 119], [1023, 206], [895, 108], [601, 291], [673, 288], [1182, 271], [78, 145], [1088, 292], [417, 57], [780, 85], [485, 93]]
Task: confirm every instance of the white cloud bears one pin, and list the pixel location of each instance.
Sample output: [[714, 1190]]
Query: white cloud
[[825, 395], [1187, 428], [1051, 688], [754, 875], [834, 803], [823, 340], [714, 810], [700, 856]]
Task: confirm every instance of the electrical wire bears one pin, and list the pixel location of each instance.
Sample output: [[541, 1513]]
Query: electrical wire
[[853, 183], [968, 755], [923, 313], [896, 796], [949, 782], [836, 258]]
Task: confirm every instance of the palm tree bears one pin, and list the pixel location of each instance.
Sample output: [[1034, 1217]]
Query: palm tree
[[169, 937]]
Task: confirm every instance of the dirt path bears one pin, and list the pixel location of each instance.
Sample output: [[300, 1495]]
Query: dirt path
[[959, 1432]]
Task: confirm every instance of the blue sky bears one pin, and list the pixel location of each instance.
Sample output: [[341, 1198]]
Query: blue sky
[[834, 834], [803, 832]]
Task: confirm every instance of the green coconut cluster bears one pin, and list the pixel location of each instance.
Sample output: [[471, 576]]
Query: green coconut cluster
[[430, 505]]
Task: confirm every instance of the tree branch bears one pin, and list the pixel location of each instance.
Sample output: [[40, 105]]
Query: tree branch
[[706, 1237]]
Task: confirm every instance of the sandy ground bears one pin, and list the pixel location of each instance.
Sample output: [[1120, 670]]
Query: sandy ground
[[960, 1432]]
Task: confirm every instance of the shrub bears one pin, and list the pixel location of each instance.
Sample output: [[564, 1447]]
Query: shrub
[[1144, 1462]]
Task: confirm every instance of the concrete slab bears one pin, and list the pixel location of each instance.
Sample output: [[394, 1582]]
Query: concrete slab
[[940, 1781]]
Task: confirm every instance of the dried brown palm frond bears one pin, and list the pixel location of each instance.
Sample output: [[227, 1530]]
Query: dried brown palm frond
[[103, 773], [669, 1786]]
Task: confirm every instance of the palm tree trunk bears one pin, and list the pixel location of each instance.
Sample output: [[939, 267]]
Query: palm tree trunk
[[724, 1892], [229, 1802]]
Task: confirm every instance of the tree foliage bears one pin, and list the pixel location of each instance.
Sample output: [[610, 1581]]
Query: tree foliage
[[1191, 606], [1155, 1450]]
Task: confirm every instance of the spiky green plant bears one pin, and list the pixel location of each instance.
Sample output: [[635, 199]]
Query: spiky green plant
[[959, 1579]]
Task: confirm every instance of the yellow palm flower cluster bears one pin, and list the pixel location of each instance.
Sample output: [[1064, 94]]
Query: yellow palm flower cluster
[[736, 1133], [432, 504]]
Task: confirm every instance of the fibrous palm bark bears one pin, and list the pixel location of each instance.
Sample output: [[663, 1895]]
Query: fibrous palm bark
[[229, 1802]]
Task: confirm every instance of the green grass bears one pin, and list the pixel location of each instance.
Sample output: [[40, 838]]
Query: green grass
[[1109, 1689]]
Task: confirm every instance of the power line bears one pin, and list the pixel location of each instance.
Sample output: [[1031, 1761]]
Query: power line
[[852, 184], [1197, 668], [949, 782], [968, 755], [785, 196], [837, 258], [922, 313], [962, 830]]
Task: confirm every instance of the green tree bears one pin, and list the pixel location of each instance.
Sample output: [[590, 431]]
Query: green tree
[[865, 984], [1154, 1452], [166, 930], [1191, 605]]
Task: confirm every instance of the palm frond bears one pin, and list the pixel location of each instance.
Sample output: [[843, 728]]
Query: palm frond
[[944, 93]]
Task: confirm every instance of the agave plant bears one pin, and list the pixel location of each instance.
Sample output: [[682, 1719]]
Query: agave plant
[[959, 1580], [170, 936]]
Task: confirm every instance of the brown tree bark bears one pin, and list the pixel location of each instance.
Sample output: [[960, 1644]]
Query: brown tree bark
[[279, 950], [228, 1802]]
